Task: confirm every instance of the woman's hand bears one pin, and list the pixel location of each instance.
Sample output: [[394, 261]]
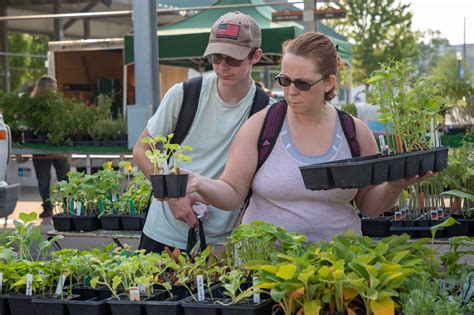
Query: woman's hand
[[403, 183]]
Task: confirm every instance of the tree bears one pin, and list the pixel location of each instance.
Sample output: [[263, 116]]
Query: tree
[[26, 69], [447, 67], [431, 47], [380, 32]]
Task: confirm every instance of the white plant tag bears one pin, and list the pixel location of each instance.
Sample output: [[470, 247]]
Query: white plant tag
[[134, 294], [29, 283], [256, 295], [79, 207], [200, 287], [60, 286], [382, 143], [141, 288], [1, 282]]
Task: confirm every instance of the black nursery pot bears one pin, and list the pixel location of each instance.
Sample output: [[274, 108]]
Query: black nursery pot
[[427, 162], [130, 222], [21, 304], [86, 223], [165, 305], [49, 305], [248, 308], [459, 229], [111, 222], [4, 309], [176, 185], [125, 306], [441, 159], [86, 293], [375, 227], [94, 306], [158, 185], [62, 222]]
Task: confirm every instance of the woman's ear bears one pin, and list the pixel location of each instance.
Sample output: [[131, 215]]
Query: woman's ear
[[330, 83]]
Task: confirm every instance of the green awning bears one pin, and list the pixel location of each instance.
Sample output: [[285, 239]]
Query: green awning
[[183, 43]]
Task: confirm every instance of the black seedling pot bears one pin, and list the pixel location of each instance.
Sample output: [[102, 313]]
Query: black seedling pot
[[176, 185], [86, 223], [130, 222], [158, 185], [111, 222], [62, 223]]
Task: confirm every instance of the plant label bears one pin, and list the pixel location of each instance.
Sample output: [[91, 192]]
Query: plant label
[[29, 282], [134, 294], [60, 286], [79, 207], [256, 295], [200, 288], [1, 282], [141, 288]]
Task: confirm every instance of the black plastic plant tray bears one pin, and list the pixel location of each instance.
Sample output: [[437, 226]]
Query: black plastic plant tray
[[348, 173], [372, 169]]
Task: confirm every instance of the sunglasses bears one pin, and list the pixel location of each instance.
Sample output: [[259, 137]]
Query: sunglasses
[[217, 58], [300, 84]]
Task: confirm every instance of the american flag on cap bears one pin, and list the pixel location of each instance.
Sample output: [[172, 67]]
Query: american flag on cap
[[228, 30]]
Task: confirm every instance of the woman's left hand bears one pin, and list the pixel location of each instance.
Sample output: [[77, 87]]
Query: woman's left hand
[[404, 183]]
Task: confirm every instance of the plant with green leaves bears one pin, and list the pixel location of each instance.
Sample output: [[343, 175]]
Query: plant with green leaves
[[407, 110], [232, 283], [25, 235], [17, 270], [258, 240], [162, 150]]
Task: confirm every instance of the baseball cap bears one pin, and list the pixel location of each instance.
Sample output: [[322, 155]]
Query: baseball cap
[[234, 34]]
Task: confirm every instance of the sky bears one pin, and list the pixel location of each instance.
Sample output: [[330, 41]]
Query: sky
[[446, 16]]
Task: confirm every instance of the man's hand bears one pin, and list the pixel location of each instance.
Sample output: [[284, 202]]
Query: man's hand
[[182, 210]]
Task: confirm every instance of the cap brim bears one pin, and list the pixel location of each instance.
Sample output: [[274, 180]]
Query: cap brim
[[234, 51]]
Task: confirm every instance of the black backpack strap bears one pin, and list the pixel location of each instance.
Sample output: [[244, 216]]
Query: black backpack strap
[[189, 106], [260, 100], [349, 129]]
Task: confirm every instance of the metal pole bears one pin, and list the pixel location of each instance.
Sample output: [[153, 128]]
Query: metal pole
[[147, 85], [58, 23], [309, 22], [87, 28], [4, 43], [146, 53]]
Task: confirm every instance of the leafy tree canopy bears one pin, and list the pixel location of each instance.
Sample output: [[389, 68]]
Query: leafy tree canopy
[[380, 32]]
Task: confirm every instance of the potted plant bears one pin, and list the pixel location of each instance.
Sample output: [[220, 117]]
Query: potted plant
[[167, 181]]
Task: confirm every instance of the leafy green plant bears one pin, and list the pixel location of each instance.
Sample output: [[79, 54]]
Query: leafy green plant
[[160, 152], [26, 235], [408, 110]]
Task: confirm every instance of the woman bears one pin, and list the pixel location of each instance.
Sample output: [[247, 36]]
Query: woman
[[311, 133]]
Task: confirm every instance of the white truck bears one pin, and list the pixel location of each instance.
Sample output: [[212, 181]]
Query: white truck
[[8, 193]]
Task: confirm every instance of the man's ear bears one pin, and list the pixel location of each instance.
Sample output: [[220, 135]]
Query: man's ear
[[257, 55]]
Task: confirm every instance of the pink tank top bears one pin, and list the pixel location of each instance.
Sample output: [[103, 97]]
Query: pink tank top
[[279, 196]]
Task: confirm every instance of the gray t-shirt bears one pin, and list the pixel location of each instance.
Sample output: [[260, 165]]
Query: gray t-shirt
[[211, 134]]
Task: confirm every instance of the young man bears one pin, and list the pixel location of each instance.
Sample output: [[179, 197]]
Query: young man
[[225, 102]]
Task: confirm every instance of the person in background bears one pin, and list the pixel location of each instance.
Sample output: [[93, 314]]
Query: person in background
[[43, 163], [225, 101], [311, 133]]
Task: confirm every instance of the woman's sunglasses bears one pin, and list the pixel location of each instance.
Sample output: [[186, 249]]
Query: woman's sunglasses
[[300, 84]]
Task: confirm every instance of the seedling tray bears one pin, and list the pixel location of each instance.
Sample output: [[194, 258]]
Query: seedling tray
[[373, 169]]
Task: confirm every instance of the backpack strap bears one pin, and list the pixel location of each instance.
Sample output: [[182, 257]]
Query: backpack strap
[[270, 130], [266, 141], [348, 127], [189, 106], [260, 100]]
